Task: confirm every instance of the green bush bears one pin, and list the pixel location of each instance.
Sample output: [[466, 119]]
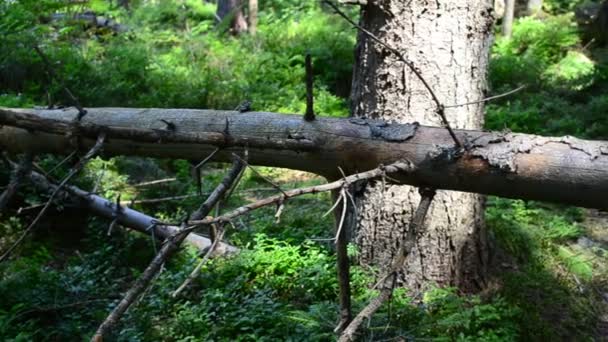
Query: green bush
[[535, 45]]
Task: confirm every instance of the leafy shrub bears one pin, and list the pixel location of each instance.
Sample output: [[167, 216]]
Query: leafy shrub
[[451, 317], [534, 46]]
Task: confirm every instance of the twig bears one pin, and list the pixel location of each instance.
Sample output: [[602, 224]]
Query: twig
[[274, 185], [333, 207], [199, 165], [70, 156], [310, 112], [158, 200], [19, 174], [197, 269], [155, 182], [90, 154], [487, 99], [409, 64], [170, 246], [389, 280]]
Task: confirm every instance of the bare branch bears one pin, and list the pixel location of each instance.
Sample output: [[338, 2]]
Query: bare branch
[[155, 182], [171, 245], [343, 264], [128, 217], [487, 99], [402, 166], [63, 161], [158, 200], [197, 269], [204, 161], [274, 185], [19, 173], [92, 152], [343, 216]]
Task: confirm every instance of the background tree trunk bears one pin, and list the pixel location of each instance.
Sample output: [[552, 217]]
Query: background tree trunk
[[232, 10], [534, 7], [253, 16], [507, 21], [449, 43]]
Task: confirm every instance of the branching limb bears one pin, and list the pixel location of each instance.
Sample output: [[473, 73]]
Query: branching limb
[[19, 174], [90, 154], [170, 246], [389, 279], [401, 166]]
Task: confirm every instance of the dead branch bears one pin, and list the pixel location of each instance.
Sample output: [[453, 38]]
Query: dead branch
[[19, 174], [83, 161], [266, 179], [487, 99], [402, 166], [128, 217], [158, 200], [155, 182], [170, 246], [197, 270], [342, 261], [388, 281]]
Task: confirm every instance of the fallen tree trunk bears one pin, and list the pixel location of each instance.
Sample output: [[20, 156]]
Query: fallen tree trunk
[[566, 169], [127, 216]]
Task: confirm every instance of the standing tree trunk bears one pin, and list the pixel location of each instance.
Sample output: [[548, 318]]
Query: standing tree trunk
[[507, 21], [449, 43], [534, 7], [253, 16], [232, 10]]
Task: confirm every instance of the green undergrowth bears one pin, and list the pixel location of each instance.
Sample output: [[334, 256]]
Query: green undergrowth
[[174, 56], [282, 285], [547, 269]]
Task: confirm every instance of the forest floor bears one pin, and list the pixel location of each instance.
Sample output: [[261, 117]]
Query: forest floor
[[596, 224]]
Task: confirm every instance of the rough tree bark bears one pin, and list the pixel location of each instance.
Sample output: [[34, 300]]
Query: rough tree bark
[[448, 41], [566, 169], [232, 9]]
